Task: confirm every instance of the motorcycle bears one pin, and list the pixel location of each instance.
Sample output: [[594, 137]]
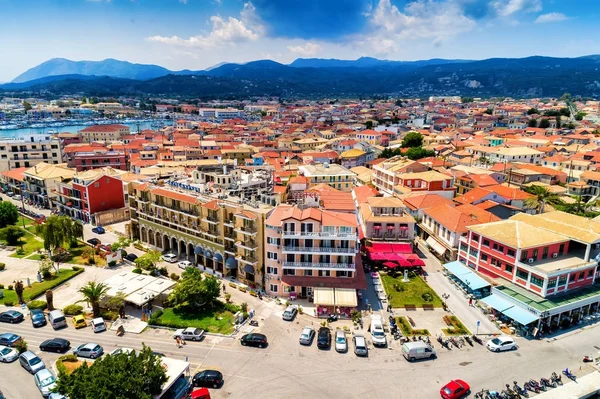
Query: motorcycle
[[557, 379], [254, 323], [510, 392], [483, 394], [531, 387], [332, 318], [477, 339], [569, 375], [469, 340], [519, 390], [537, 385], [588, 359], [547, 383]]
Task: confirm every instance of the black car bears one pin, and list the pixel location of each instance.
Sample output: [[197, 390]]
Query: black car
[[11, 316], [93, 241], [98, 230], [58, 345], [131, 257], [208, 379], [324, 338], [38, 318], [259, 340], [9, 339]]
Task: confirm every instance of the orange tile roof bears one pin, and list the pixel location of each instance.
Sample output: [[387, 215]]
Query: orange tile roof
[[426, 201], [457, 220], [16, 174], [362, 193], [176, 196], [212, 205]]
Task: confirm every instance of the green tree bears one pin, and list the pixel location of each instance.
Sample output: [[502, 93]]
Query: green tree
[[45, 268], [12, 235], [465, 100], [116, 302], [148, 261], [127, 375], [9, 214], [194, 291], [418, 153], [533, 111], [27, 106], [544, 123], [412, 139], [541, 197], [558, 123], [488, 111], [570, 125], [532, 123], [58, 231], [579, 116], [369, 124], [564, 112], [92, 293], [19, 288]]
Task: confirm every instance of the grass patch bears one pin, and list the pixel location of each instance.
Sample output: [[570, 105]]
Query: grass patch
[[36, 257], [22, 219], [68, 363], [77, 258], [30, 245], [38, 289], [218, 320], [416, 292], [407, 329], [456, 327]]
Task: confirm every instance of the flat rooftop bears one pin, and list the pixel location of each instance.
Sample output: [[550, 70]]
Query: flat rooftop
[[565, 262], [545, 304]]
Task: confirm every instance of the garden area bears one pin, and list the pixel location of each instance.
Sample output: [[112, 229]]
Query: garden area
[[407, 329], [38, 289], [416, 292], [455, 326], [218, 319]]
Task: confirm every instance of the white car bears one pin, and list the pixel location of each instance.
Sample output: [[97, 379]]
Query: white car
[[190, 334], [171, 258], [185, 264], [377, 332], [98, 324], [307, 336], [341, 343], [501, 343], [118, 351], [7, 354], [45, 381]]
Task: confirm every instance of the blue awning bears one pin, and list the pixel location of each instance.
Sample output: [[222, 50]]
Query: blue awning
[[520, 315], [497, 302], [231, 263], [208, 253], [249, 269], [198, 250], [218, 258], [466, 275]]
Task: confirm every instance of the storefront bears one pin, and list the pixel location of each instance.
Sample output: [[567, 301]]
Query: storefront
[[466, 279]]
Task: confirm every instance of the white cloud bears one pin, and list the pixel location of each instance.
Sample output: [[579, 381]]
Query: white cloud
[[505, 8], [551, 17], [225, 31], [307, 49], [183, 1], [422, 19]]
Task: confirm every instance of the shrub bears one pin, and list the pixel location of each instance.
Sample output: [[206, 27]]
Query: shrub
[[8, 302], [109, 315], [20, 251], [112, 263], [228, 297], [21, 346], [163, 271], [1, 286], [300, 310], [156, 315], [47, 274], [245, 315], [10, 287], [175, 277], [77, 268], [137, 270], [91, 261], [244, 307], [42, 257], [398, 287], [427, 297], [231, 307], [72, 310], [37, 305], [2, 266]]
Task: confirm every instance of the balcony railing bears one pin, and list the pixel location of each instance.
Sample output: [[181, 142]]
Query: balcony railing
[[211, 219], [332, 236], [248, 244], [246, 230], [310, 265], [176, 225], [320, 250], [248, 259]]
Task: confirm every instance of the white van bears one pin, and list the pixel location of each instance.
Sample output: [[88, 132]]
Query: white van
[[57, 319], [377, 332], [417, 350]]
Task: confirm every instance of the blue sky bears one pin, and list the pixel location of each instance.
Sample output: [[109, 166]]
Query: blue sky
[[195, 34]]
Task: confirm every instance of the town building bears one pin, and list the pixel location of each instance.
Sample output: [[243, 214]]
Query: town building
[[29, 151], [333, 175], [104, 133], [385, 219], [41, 181], [98, 158], [386, 174]]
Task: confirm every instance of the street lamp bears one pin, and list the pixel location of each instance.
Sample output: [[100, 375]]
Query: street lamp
[[23, 202]]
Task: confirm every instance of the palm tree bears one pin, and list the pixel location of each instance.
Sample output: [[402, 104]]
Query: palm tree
[[93, 292], [541, 197]]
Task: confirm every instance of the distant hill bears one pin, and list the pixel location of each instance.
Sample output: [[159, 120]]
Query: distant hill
[[506, 77], [364, 62], [108, 67]]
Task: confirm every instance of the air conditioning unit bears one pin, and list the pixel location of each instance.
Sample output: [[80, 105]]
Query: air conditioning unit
[[530, 260], [555, 255], [278, 261]]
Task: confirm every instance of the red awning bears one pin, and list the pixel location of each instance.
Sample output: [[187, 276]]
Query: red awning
[[391, 227], [377, 227], [361, 234], [417, 262], [403, 248], [412, 256], [391, 265], [378, 256]]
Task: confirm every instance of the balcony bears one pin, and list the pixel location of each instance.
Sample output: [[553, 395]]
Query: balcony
[[311, 265], [328, 250], [247, 244], [248, 260], [229, 223], [230, 249], [319, 234], [248, 230], [211, 219], [177, 209], [390, 236], [211, 232]]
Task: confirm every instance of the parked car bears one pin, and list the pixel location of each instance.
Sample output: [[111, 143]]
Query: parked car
[[17, 197], [360, 345], [8, 355], [377, 332], [31, 362], [58, 345], [324, 338], [199, 393], [89, 350], [11, 316], [185, 264], [98, 324], [417, 350], [45, 381], [171, 258], [290, 313], [208, 379], [341, 343], [106, 248], [501, 343], [98, 230], [131, 257], [79, 321], [38, 318], [455, 389], [307, 335], [94, 242], [57, 319], [55, 395], [254, 339], [9, 339], [190, 334], [118, 351]]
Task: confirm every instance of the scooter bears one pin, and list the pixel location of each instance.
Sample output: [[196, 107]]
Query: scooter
[[483, 394], [519, 390], [510, 392], [332, 318], [569, 374], [477, 339], [254, 323], [527, 385], [537, 385], [469, 340], [557, 379], [588, 359], [547, 383]]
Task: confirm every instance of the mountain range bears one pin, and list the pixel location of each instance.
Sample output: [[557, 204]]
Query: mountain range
[[312, 77]]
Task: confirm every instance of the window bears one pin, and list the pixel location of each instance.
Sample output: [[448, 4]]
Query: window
[[545, 253], [572, 277], [486, 243], [96, 184], [272, 255], [561, 249], [289, 272], [273, 241], [524, 255], [522, 274], [345, 230], [494, 262], [273, 287], [535, 254], [308, 272], [581, 276], [463, 247], [324, 273], [271, 270], [551, 282], [342, 273], [508, 269], [537, 281], [562, 280], [590, 273], [475, 238], [510, 252], [484, 258]]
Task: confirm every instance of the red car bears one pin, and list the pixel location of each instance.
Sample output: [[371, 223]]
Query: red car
[[455, 389]]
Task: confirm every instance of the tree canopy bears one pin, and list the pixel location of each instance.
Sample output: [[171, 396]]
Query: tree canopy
[[12, 235], [93, 292], [148, 260], [58, 231], [532, 123], [412, 139], [541, 197], [544, 123], [418, 153], [532, 111], [194, 290], [9, 214], [123, 376]]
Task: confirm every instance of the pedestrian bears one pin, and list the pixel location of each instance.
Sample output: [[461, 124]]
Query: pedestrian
[[470, 301], [178, 341]]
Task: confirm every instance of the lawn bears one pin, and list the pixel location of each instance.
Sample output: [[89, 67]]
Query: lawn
[[410, 293], [219, 321], [38, 289], [78, 259], [28, 222], [30, 243]]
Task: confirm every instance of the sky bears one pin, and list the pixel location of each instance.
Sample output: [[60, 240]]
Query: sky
[[196, 34]]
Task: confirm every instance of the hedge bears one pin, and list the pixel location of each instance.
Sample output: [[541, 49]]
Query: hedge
[[456, 326], [407, 329], [72, 310], [37, 304]]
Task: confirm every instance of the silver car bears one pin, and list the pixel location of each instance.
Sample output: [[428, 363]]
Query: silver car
[[7, 354], [307, 336], [341, 343], [45, 381], [360, 345]]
